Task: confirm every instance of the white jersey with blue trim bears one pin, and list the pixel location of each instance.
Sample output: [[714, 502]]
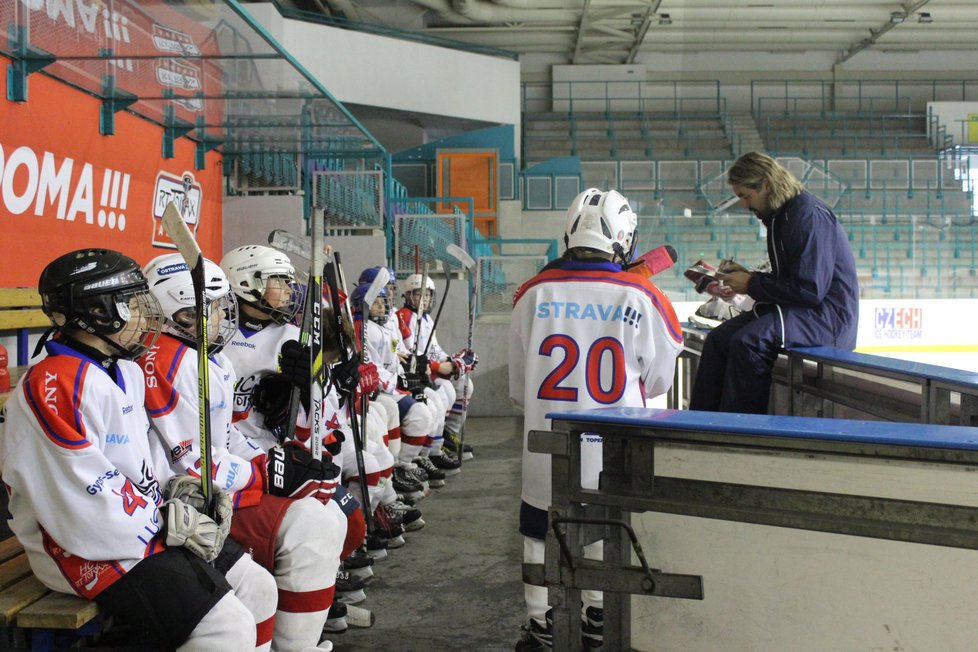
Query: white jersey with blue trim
[[586, 335], [172, 400], [75, 458], [253, 355]]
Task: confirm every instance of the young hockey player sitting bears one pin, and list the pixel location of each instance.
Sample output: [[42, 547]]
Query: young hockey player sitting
[[106, 530]]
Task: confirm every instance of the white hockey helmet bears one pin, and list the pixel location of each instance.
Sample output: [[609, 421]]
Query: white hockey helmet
[[170, 282], [602, 220], [412, 284], [249, 268]]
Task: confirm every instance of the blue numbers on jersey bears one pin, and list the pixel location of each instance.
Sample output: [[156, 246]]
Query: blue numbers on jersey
[[552, 387]]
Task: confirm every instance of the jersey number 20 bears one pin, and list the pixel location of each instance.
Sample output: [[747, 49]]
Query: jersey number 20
[[552, 388]]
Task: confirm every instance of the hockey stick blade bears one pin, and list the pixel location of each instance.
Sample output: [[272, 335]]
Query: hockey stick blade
[[190, 251], [460, 255], [180, 233], [383, 276], [290, 243]]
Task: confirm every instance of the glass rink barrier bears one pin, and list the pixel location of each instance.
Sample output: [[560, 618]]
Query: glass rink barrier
[[764, 533]]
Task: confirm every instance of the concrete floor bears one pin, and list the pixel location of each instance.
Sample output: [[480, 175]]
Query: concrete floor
[[456, 583]]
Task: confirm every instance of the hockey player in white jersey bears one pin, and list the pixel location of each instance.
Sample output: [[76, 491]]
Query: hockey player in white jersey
[[410, 481], [390, 513], [451, 374], [85, 500], [417, 422], [279, 498], [263, 281], [584, 333]]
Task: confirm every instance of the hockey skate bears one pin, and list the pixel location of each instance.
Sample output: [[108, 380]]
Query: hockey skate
[[536, 636], [409, 517], [349, 588], [436, 477]]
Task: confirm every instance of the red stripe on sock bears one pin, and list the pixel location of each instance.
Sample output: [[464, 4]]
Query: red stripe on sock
[[302, 602], [264, 630], [413, 441]]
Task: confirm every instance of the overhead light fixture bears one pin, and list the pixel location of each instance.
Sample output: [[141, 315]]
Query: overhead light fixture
[[924, 17], [897, 17], [664, 19]]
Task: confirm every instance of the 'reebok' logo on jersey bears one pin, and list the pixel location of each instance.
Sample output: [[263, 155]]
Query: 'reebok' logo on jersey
[[588, 312]]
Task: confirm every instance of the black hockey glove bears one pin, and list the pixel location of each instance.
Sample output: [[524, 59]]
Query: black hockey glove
[[295, 364], [270, 398], [293, 473], [417, 364], [413, 384], [346, 376]]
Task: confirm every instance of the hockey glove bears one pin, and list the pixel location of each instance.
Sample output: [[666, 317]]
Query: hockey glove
[[369, 378], [293, 473], [345, 376], [270, 398], [294, 362], [414, 385], [186, 526], [463, 362], [334, 447]]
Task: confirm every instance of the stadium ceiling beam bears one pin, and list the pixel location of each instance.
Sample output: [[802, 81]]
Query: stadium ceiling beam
[[641, 31], [896, 18], [580, 31]]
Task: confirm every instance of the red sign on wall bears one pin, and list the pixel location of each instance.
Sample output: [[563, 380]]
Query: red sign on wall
[[63, 186]]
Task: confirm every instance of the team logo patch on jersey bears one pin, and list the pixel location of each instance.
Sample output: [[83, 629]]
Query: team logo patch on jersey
[[588, 311]]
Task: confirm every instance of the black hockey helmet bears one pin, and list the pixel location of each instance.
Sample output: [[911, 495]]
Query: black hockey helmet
[[94, 290]]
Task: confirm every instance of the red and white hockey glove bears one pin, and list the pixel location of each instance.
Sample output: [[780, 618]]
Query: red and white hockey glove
[[463, 362], [369, 378], [292, 472]]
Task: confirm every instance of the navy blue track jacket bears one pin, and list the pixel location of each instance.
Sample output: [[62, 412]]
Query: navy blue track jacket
[[813, 280]]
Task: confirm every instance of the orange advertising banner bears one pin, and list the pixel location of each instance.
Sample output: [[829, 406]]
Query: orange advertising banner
[[64, 186]]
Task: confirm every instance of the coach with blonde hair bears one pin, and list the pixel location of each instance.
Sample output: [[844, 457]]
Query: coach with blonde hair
[[809, 298]]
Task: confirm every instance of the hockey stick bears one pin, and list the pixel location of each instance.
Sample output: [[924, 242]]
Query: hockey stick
[[333, 274], [468, 263], [311, 327], [290, 243], [314, 302], [180, 233], [654, 261], [434, 325]]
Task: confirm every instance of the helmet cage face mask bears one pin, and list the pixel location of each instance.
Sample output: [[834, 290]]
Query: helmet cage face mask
[[413, 296], [602, 221], [172, 284], [358, 296], [103, 293], [252, 269]]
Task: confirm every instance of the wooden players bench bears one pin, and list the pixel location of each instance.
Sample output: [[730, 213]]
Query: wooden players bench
[[34, 617]]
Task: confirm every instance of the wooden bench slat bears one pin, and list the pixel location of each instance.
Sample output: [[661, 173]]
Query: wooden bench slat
[[13, 319], [58, 611], [15, 598], [10, 548], [17, 297], [14, 570]]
